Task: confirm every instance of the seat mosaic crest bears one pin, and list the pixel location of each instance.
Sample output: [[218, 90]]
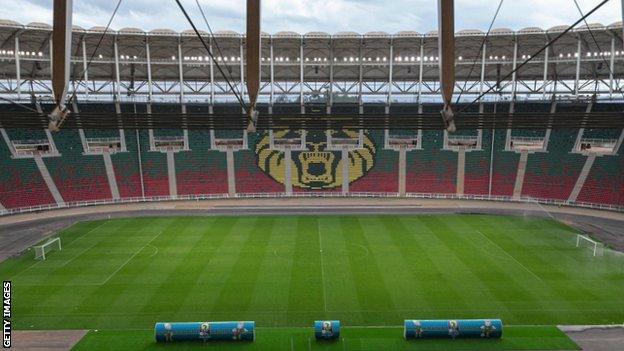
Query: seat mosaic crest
[[317, 167]]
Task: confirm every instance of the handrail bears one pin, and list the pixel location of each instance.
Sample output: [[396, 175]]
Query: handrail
[[199, 197]]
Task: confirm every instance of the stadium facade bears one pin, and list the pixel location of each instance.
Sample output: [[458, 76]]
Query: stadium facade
[[376, 73]]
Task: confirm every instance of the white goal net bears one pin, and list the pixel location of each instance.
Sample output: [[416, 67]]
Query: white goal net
[[594, 246], [42, 250]]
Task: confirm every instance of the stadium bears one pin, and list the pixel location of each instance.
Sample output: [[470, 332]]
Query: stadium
[[447, 190]]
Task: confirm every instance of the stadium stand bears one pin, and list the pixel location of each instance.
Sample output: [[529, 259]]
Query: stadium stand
[[249, 177], [21, 184], [154, 166], [575, 167], [78, 177], [384, 176], [201, 170], [431, 170]]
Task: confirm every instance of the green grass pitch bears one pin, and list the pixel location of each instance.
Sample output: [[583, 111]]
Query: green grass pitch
[[286, 271]]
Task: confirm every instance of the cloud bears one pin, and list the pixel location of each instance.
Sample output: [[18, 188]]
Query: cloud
[[317, 15]]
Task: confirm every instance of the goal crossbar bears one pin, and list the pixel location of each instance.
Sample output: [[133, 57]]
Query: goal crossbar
[[42, 249], [580, 237]]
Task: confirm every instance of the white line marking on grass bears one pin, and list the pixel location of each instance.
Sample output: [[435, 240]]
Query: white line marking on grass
[[85, 250], [510, 256], [292, 344], [39, 261], [318, 230], [131, 257]]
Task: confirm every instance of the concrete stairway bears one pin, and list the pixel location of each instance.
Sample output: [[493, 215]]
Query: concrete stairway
[[580, 181], [402, 161], [231, 176], [47, 178], [520, 175], [171, 173], [288, 172], [110, 174], [461, 171]]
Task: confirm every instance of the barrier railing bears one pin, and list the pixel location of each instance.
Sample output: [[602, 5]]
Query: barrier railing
[[198, 197]]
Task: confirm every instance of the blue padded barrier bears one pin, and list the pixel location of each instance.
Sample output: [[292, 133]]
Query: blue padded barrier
[[484, 328], [325, 330], [204, 331]]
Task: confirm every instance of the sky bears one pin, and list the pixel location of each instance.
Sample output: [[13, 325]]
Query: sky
[[318, 15]]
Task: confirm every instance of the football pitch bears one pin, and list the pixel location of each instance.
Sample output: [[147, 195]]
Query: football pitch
[[371, 272]]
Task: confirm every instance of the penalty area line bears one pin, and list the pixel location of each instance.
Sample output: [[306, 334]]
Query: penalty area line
[[510, 256], [131, 257]]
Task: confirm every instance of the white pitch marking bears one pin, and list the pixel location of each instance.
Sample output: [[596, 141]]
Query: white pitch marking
[[39, 261], [510, 256], [131, 257], [318, 230], [85, 250]]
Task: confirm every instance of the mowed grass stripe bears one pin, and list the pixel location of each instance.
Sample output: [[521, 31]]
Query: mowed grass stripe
[[339, 279], [370, 289], [305, 292], [244, 275], [271, 294], [488, 264], [376, 270]]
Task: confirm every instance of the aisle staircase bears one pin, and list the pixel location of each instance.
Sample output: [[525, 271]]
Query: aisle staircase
[[47, 178]]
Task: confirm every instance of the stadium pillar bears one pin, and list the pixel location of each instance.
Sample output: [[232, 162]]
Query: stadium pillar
[[230, 171], [301, 102], [85, 68], [272, 78], [117, 77], [62, 39], [446, 59], [361, 71], [345, 171], [482, 71], [402, 173], [611, 66], [181, 75], [390, 67], [514, 74], [18, 79], [578, 66], [149, 70], [242, 72], [421, 58], [254, 52], [212, 85], [330, 100], [288, 171], [545, 77]]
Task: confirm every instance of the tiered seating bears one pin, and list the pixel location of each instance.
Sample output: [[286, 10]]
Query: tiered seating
[[552, 175], [431, 170], [78, 177], [504, 167], [249, 177], [384, 176], [21, 184], [201, 171], [154, 164], [605, 182], [126, 165], [477, 167]]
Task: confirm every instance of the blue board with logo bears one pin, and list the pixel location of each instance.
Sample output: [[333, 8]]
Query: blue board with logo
[[204, 331], [326, 330], [441, 328]]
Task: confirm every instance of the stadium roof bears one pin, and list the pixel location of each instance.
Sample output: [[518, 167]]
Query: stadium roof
[[348, 50]]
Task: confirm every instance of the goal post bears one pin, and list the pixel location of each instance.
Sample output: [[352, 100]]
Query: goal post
[[43, 249], [583, 240]]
